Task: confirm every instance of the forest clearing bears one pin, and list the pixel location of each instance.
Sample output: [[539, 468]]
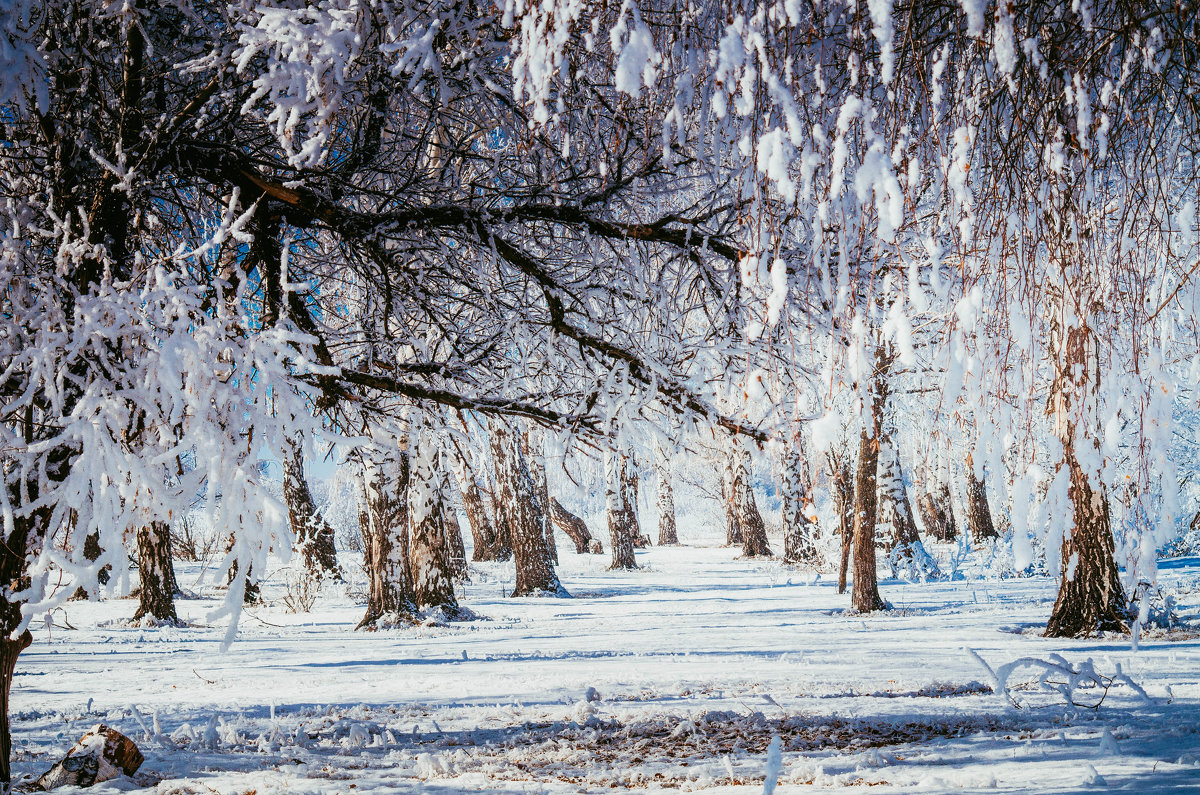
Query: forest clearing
[[695, 662], [588, 395]]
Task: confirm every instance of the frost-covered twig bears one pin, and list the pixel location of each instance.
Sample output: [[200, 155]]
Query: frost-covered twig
[[1057, 674]]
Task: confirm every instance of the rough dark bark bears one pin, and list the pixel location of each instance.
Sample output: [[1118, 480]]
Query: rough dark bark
[[383, 518], [429, 550], [665, 499], [575, 528], [622, 524], [517, 505], [750, 523], [489, 542], [799, 534], [314, 537], [864, 597], [535, 456], [1090, 597], [10, 650], [979, 515], [156, 573]]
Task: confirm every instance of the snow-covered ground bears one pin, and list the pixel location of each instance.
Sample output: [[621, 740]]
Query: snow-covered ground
[[693, 664]]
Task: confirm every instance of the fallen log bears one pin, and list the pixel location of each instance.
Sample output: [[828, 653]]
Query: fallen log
[[101, 754]]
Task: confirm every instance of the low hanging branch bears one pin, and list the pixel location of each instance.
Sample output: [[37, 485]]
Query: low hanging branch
[[678, 395], [305, 207]]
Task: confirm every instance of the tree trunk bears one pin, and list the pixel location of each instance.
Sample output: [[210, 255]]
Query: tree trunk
[[864, 597], [383, 517], [946, 506], [750, 523], [665, 499], [490, 544], [1090, 596], [517, 505], [429, 552], [799, 534], [843, 499], [733, 531], [314, 537], [156, 573], [575, 528], [535, 455], [25, 537], [936, 516], [629, 497], [907, 556], [454, 539], [894, 508], [10, 650], [979, 515], [621, 522], [253, 593], [91, 552]]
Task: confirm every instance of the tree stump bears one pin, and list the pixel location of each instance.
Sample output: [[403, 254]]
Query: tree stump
[[101, 754]]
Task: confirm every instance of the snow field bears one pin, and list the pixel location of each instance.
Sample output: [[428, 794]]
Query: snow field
[[693, 665]]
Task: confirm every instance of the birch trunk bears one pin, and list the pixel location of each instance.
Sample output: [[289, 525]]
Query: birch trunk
[[621, 522], [91, 552], [1090, 597], [894, 507], [799, 534], [935, 514], [575, 528], [27, 532], [733, 530], [314, 537], [665, 499], [535, 455], [10, 650], [907, 555], [519, 510], [751, 527], [489, 542], [843, 499], [429, 552], [383, 518], [979, 515], [454, 540]]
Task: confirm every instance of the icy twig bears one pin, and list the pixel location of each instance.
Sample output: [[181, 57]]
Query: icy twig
[[1057, 674]]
